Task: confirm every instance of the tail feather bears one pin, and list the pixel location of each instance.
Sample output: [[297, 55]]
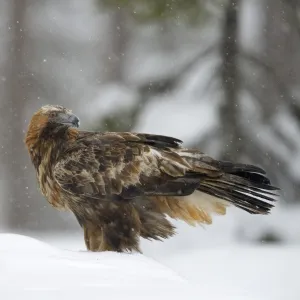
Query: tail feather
[[250, 195], [246, 202], [243, 185], [252, 191], [229, 187]]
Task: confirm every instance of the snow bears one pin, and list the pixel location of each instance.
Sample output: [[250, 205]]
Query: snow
[[200, 117], [32, 269], [262, 272]]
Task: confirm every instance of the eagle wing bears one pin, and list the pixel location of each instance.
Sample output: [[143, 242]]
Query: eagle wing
[[124, 166], [127, 166]]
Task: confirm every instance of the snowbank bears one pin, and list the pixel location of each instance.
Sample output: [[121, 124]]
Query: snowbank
[[222, 268], [30, 267]]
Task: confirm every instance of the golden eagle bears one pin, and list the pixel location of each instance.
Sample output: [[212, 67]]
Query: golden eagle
[[122, 185]]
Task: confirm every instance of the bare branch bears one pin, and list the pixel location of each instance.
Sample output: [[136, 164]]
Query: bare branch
[[163, 85], [282, 88]]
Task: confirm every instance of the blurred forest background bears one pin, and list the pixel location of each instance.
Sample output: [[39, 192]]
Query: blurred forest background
[[222, 75]]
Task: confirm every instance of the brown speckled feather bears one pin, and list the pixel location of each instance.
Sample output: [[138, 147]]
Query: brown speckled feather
[[121, 186]]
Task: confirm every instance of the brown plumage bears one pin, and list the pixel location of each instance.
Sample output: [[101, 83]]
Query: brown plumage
[[121, 186]]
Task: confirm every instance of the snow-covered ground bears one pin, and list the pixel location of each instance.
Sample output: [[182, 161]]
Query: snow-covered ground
[[259, 272], [31, 269]]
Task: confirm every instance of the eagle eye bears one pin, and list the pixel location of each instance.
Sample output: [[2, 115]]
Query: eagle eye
[[52, 114]]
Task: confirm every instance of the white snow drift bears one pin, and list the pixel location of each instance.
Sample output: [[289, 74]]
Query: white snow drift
[[30, 269]]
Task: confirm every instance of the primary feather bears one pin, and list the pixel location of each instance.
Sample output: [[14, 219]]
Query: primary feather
[[121, 186]]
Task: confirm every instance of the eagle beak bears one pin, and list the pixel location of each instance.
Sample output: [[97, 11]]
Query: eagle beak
[[74, 120], [67, 119]]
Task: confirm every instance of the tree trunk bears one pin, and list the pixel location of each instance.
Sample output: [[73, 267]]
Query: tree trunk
[[11, 113], [25, 208], [229, 112], [118, 41]]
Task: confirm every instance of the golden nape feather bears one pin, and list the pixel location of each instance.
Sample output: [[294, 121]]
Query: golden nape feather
[[122, 186]]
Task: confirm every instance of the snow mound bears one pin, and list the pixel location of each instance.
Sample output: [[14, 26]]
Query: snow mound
[[31, 269]]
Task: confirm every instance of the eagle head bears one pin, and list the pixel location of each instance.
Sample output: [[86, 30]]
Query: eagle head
[[49, 116], [56, 114]]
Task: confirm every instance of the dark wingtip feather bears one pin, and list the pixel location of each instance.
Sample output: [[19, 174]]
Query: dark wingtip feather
[[250, 173], [254, 177], [159, 140], [232, 168]]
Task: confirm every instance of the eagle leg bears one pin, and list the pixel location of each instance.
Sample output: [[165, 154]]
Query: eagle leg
[[120, 237], [119, 231], [93, 238]]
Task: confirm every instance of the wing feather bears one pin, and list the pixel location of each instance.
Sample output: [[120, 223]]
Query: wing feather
[[121, 164], [182, 183]]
